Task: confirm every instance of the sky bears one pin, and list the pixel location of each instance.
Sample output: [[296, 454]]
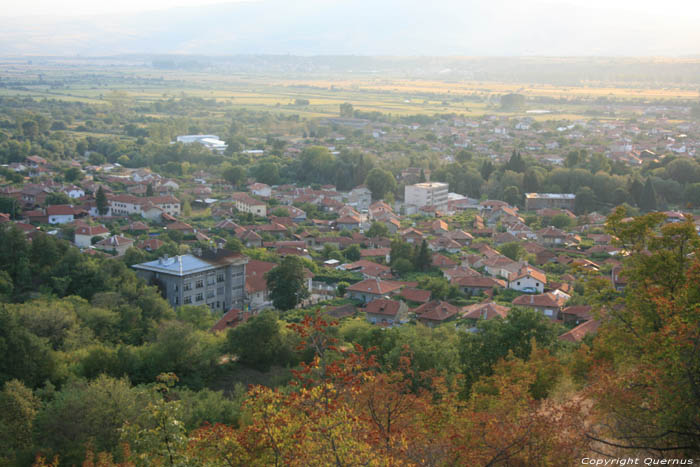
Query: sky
[[70, 8], [347, 27]]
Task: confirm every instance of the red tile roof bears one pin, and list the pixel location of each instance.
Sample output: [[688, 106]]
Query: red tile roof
[[487, 310], [436, 311], [415, 295], [383, 306], [255, 275], [579, 332], [375, 286], [231, 319]]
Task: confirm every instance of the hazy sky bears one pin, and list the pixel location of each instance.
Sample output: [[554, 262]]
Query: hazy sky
[[667, 8]]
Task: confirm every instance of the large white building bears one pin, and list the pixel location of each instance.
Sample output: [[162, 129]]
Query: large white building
[[433, 194], [211, 142]]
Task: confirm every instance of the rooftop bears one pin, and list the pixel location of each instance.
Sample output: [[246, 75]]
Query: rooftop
[[182, 265], [550, 196]]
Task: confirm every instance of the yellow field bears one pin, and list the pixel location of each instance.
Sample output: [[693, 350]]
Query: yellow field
[[394, 96]]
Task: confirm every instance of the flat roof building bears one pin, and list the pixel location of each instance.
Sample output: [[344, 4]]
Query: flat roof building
[[214, 277], [433, 194], [535, 201], [211, 142]]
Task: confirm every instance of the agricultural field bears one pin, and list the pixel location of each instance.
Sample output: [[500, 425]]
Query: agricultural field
[[366, 93]]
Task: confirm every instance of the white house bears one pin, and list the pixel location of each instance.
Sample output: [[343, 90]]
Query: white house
[[85, 233], [60, 214], [528, 280], [260, 189]]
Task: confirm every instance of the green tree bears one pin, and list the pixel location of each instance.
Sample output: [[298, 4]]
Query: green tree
[[380, 182], [512, 196], [84, 414], [101, 201], [479, 351], [486, 169], [352, 253], [511, 102], [512, 250], [378, 229], [26, 357], [149, 189], [235, 175], [585, 200], [73, 175], [422, 258], [287, 284], [18, 408], [57, 197], [258, 342], [648, 199], [346, 110]]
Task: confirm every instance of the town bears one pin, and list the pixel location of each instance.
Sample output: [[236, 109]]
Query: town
[[193, 250]]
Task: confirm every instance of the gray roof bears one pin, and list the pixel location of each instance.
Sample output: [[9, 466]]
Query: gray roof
[[183, 265]]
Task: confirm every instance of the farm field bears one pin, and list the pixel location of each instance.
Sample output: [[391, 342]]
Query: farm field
[[367, 94]]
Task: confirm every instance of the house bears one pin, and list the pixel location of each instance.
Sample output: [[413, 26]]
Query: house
[[213, 277], [372, 289], [257, 292], [528, 280], [260, 189], [551, 236], [60, 213], [444, 244], [231, 319], [386, 312], [576, 314], [341, 311], [549, 304], [443, 262], [245, 203], [412, 235], [150, 207], [415, 295], [488, 310], [85, 233], [436, 312], [383, 253], [360, 197], [368, 269], [474, 285], [116, 244], [150, 245], [619, 281], [582, 330], [347, 223], [459, 271], [460, 236]]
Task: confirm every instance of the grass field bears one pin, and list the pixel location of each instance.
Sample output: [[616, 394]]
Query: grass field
[[392, 96]]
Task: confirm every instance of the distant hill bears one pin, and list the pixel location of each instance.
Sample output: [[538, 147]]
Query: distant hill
[[363, 27]]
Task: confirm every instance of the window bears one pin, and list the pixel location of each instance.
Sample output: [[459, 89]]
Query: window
[[537, 284], [199, 297], [220, 291], [220, 277], [518, 282], [187, 286], [188, 299], [210, 293], [210, 280], [199, 284]]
